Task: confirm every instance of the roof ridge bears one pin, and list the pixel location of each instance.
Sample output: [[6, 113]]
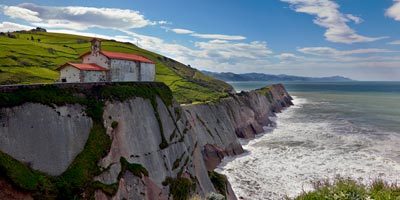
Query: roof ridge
[[84, 66], [122, 56]]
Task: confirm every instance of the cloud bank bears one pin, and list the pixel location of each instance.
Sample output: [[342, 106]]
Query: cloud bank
[[394, 11], [327, 15], [77, 18]]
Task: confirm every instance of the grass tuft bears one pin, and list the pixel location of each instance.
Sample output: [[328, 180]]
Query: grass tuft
[[219, 181], [180, 188], [348, 189]]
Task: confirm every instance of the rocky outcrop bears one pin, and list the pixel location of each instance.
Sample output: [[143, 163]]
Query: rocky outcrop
[[138, 137], [218, 125], [47, 139], [156, 149]]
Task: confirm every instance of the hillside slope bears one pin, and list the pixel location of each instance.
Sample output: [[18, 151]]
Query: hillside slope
[[32, 57]]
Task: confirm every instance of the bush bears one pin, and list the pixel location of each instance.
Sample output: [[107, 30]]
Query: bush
[[219, 181], [347, 189], [180, 188], [136, 169], [215, 196], [114, 124]]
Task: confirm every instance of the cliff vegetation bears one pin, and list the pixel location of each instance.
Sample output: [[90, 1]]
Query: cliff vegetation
[[348, 189]]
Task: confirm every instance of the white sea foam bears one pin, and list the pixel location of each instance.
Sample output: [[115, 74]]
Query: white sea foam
[[305, 148]]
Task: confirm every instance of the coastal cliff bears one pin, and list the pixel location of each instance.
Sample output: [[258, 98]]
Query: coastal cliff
[[123, 140], [219, 125]]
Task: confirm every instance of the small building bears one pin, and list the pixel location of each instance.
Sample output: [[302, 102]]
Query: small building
[[99, 66]]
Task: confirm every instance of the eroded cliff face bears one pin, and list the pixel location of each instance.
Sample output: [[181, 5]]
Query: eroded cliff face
[[138, 138], [219, 125], [152, 147]]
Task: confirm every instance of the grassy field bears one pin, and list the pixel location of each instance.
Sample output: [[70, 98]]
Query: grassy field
[[32, 57], [347, 189]]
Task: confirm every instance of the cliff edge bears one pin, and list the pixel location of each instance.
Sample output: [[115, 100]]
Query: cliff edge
[[123, 140]]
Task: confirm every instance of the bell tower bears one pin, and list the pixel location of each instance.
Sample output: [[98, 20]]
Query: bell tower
[[96, 46]]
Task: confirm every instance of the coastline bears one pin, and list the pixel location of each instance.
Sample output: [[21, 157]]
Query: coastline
[[170, 145]]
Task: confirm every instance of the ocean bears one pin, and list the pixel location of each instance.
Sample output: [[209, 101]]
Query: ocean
[[349, 129]]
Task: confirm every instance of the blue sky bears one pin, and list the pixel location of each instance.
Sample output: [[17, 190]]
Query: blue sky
[[353, 38]]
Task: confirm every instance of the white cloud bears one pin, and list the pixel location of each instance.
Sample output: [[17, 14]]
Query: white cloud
[[288, 57], [218, 36], [78, 18], [181, 31], [204, 54], [328, 51], [232, 52], [355, 19], [21, 13], [394, 11], [10, 27], [87, 34], [206, 36], [396, 42], [162, 22], [328, 16]]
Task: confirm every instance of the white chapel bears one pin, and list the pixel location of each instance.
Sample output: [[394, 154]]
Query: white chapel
[[99, 66]]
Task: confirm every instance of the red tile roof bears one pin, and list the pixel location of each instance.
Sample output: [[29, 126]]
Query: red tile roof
[[84, 67], [122, 56]]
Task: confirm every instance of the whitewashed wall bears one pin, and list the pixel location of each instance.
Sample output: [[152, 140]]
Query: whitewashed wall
[[70, 73], [100, 60], [148, 71], [123, 70], [94, 76]]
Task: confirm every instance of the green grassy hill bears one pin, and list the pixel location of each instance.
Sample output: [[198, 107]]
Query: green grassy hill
[[32, 57]]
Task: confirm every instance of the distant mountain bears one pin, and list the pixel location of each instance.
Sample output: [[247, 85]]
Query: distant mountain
[[228, 76]]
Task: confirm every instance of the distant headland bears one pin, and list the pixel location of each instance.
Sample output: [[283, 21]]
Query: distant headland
[[229, 76]]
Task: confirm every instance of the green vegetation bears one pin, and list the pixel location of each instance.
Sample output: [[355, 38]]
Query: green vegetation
[[114, 124], [219, 181], [23, 60], [180, 188], [136, 169], [347, 189], [22, 176], [107, 189], [177, 162], [266, 91]]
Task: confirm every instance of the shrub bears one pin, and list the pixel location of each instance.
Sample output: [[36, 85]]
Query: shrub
[[180, 188], [136, 169], [219, 181], [215, 196], [347, 189], [114, 124]]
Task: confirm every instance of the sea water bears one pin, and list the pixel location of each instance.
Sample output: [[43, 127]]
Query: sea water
[[349, 129]]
